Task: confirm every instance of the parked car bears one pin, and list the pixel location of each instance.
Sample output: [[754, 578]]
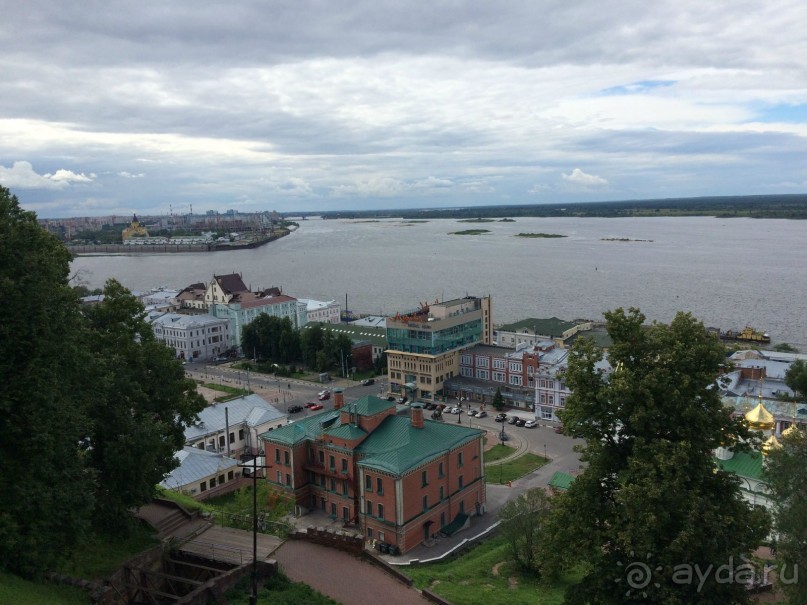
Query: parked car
[[472, 412], [390, 397], [294, 409], [324, 396], [311, 404], [512, 420], [530, 424], [429, 406], [368, 381], [500, 417], [455, 410], [481, 414], [521, 422], [315, 407], [325, 392]]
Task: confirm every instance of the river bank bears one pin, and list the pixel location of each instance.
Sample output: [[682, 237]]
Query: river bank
[[121, 249]]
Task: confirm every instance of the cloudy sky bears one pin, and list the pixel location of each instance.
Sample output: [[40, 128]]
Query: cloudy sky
[[119, 106]]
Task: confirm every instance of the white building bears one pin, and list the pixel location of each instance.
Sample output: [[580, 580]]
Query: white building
[[193, 337], [232, 427], [202, 474], [328, 312]]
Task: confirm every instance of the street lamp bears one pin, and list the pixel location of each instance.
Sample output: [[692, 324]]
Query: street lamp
[[253, 598]]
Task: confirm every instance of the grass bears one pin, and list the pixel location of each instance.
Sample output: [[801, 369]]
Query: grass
[[231, 391], [541, 235], [278, 590], [102, 555], [469, 579], [515, 469], [497, 452], [14, 589], [471, 232]]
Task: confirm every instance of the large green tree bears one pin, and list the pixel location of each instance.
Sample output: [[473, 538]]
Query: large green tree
[[140, 404], [92, 408], [796, 378], [786, 475], [650, 498], [47, 490], [523, 520]]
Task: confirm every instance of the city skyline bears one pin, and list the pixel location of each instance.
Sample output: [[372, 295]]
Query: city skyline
[[382, 105]]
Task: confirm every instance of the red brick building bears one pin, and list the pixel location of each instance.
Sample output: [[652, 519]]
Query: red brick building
[[399, 477]]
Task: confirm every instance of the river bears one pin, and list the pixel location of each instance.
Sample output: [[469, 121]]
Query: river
[[727, 272]]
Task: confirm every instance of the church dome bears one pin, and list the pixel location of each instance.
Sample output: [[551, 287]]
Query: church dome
[[760, 418], [771, 444]]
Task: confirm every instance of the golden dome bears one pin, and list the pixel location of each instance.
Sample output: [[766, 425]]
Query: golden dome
[[760, 419], [771, 444], [792, 430]]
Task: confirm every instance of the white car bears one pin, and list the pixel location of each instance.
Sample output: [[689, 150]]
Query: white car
[[325, 392], [455, 410], [531, 424]]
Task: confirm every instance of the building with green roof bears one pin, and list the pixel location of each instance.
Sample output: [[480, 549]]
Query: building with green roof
[[531, 331], [399, 477]]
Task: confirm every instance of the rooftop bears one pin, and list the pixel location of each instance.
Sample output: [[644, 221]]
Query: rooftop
[[195, 465], [552, 327], [250, 409]]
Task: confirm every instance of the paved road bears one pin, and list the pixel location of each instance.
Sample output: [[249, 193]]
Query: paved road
[[343, 577]]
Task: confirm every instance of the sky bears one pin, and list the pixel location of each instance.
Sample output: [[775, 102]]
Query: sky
[[153, 107]]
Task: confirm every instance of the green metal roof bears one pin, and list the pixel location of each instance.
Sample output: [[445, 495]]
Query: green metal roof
[[397, 447], [561, 480], [347, 431], [369, 405], [553, 326], [306, 428], [744, 464], [372, 334]]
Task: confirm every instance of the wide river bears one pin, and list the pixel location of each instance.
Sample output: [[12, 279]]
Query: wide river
[[727, 272]]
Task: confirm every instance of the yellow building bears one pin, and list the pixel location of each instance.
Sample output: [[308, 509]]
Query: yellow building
[[424, 345], [135, 229]]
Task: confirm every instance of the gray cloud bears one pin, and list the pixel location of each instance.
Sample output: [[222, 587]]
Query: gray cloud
[[312, 104]]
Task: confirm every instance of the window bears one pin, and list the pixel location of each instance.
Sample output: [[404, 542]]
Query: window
[[498, 364], [440, 470], [232, 437], [322, 457], [380, 511], [288, 479], [499, 376], [221, 479], [442, 493], [333, 484], [515, 367], [379, 486], [482, 362], [230, 476], [277, 455], [344, 465], [462, 481], [381, 536], [368, 508], [368, 483], [483, 374], [212, 483], [426, 502], [221, 440], [344, 488], [331, 462], [459, 459], [286, 457], [424, 480], [370, 532], [279, 476], [515, 379], [203, 486], [546, 413]]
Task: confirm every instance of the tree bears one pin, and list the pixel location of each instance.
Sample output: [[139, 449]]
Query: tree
[[498, 400], [786, 475], [796, 378], [47, 490], [651, 494], [140, 404], [522, 523]]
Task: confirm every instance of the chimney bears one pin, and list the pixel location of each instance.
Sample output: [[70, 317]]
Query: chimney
[[338, 399], [417, 415]]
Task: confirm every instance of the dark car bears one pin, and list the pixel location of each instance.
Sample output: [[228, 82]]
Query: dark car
[[521, 422], [368, 381], [390, 397], [311, 404], [294, 409], [429, 406], [500, 417], [512, 420]]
